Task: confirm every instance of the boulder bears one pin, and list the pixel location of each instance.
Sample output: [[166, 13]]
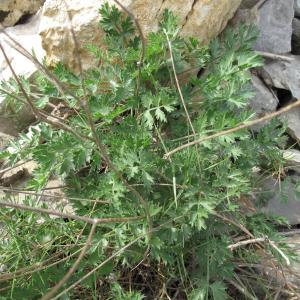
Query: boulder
[[292, 118], [283, 74], [297, 8], [275, 26], [203, 19], [274, 21], [296, 37], [26, 35], [264, 100], [18, 11]]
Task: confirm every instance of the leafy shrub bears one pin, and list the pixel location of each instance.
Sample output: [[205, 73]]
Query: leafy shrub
[[124, 115]]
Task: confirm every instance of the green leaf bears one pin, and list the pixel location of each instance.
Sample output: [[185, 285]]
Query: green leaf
[[160, 115], [218, 290], [198, 294], [148, 119]]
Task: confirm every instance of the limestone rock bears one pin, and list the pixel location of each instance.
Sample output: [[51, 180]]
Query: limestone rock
[[203, 19], [208, 18], [14, 11], [27, 35], [275, 26]]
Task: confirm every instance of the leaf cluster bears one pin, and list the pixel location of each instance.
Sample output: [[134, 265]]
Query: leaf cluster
[[138, 116]]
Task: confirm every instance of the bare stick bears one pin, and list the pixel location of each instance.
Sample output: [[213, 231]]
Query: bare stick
[[275, 56], [68, 216], [246, 242], [259, 240], [272, 244], [178, 86], [51, 196], [242, 290], [234, 223], [242, 126], [37, 267], [53, 291]]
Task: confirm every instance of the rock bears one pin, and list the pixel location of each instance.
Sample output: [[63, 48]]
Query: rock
[[17, 11], [275, 26], [207, 18], [297, 8], [282, 198], [292, 157], [55, 197], [4, 141], [292, 118], [283, 74], [296, 37], [264, 100], [202, 19], [247, 4], [27, 35], [17, 176]]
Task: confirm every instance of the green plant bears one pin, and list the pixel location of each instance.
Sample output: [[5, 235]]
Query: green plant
[[123, 117]]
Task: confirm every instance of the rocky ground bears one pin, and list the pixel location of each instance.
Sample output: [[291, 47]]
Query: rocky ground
[[43, 27]]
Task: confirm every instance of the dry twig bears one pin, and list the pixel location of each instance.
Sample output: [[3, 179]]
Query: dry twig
[[237, 128]]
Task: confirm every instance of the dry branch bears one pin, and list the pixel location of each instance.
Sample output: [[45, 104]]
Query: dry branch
[[232, 130], [69, 216]]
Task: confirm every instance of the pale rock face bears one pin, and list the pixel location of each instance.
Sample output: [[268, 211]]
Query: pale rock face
[[203, 19], [26, 35], [11, 11]]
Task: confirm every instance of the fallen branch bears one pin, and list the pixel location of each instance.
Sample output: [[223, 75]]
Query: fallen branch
[[69, 216], [260, 240], [275, 56], [246, 242], [51, 196]]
